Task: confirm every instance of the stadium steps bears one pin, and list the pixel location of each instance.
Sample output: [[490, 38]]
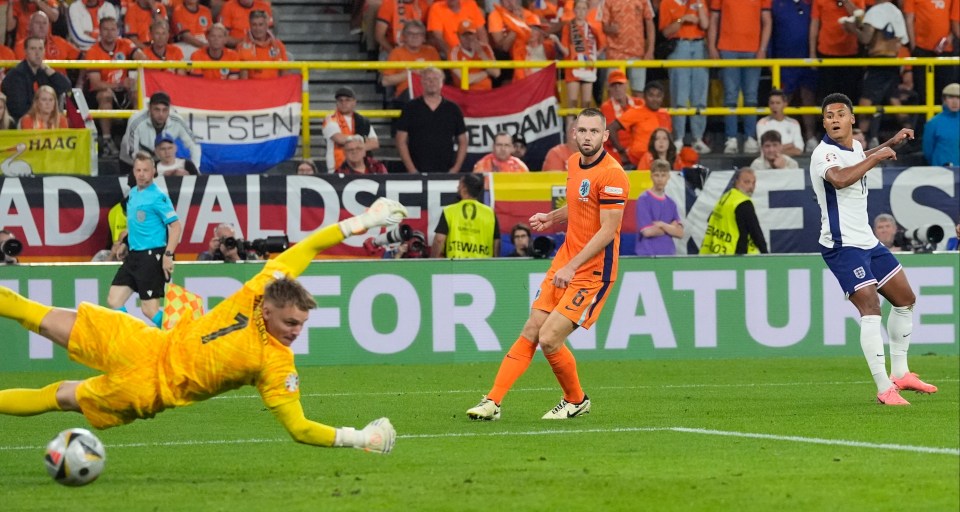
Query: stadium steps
[[320, 31]]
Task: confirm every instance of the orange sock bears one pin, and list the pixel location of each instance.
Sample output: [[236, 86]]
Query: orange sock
[[514, 364], [565, 368]]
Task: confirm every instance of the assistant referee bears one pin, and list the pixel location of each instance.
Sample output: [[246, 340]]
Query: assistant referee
[[153, 232]]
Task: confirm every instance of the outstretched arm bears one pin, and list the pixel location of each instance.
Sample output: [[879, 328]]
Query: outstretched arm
[[378, 436]]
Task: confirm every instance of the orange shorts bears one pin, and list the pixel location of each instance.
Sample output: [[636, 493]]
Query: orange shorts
[[581, 301], [127, 350]]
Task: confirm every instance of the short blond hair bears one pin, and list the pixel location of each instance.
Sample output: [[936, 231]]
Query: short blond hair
[[286, 292], [659, 165]]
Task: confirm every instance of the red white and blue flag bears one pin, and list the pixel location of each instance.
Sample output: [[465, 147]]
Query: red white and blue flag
[[243, 126]]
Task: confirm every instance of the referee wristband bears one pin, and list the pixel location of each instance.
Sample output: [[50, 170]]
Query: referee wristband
[[168, 253]]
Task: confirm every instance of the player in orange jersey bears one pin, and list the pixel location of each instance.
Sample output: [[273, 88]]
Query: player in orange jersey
[[243, 340], [581, 276]]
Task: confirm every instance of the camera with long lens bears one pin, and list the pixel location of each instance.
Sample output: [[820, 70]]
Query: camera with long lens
[[542, 247], [401, 233], [10, 249], [922, 239], [260, 246]]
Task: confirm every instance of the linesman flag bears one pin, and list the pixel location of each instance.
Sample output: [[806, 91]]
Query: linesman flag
[[180, 304]]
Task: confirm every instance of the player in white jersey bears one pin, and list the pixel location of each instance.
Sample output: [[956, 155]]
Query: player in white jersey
[[862, 265]]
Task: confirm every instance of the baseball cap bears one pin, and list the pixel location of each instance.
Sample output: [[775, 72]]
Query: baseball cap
[[466, 27], [617, 77], [160, 98], [344, 91], [952, 90], [163, 137]]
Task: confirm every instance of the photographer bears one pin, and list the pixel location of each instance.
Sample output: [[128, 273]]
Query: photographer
[[10, 247], [520, 236], [414, 247], [225, 246]]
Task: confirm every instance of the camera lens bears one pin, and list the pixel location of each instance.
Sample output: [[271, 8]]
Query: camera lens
[[11, 247], [230, 242]]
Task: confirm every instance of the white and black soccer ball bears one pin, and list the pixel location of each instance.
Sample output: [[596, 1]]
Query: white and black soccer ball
[[75, 457]]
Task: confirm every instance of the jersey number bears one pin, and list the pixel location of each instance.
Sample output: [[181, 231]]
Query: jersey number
[[241, 321]]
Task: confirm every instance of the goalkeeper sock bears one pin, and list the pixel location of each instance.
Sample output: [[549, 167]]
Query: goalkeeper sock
[[565, 368], [514, 364], [29, 402], [872, 345], [899, 328], [25, 311], [300, 255]]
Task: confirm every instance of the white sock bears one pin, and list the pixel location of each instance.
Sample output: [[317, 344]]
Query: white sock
[[872, 345], [899, 328]]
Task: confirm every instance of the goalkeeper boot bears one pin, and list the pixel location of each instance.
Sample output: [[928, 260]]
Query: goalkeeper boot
[[565, 410], [486, 410], [383, 212], [891, 397], [911, 382]]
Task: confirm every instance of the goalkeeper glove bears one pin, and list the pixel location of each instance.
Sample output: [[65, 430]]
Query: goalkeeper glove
[[378, 436], [383, 212]]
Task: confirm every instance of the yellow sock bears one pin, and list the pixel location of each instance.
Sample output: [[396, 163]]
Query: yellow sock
[[300, 255], [29, 402], [23, 310]]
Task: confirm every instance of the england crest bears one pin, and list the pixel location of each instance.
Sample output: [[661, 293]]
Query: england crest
[[859, 272]]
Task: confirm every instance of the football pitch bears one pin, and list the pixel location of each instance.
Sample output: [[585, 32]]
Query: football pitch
[[749, 434]]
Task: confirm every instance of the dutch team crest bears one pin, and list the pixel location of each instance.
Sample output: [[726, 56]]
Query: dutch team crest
[[584, 188], [859, 272]]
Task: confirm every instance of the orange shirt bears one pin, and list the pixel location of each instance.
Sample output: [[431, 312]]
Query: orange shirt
[[123, 50], [557, 158], [630, 16], [402, 54], [196, 23], [203, 55], [686, 157], [601, 186], [641, 122], [670, 11], [546, 13], [23, 15], [137, 20], [612, 112], [270, 50], [237, 17], [739, 24], [932, 20], [593, 41], [7, 53], [57, 48], [489, 163], [485, 53], [396, 12], [832, 39], [442, 19], [503, 21], [28, 123], [171, 52]]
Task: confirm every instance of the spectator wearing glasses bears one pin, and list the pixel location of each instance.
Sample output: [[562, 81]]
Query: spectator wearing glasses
[[412, 48], [356, 160], [235, 16], [342, 123]]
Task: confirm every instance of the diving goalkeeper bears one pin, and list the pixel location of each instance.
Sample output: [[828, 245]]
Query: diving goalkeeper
[[244, 340]]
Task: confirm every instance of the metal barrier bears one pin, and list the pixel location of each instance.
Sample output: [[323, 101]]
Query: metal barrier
[[304, 68]]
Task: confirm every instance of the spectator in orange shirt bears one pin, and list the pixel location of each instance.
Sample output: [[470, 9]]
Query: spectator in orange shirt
[[411, 49], [628, 25], [472, 49], [661, 147], [111, 88], [392, 16], [445, 17], [928, 26], [584, 41], [139, 17], [190, 24], [56, 48], [502, 159], [343, 122], [641, 122], [235, 15], [21, 12], [617, 103], [83, 20], [830, 39], [686, 23], [159, 47], [215, 51], [510, 27], [739, 31], [559, 156], [43, 114], [541, 46], [261, 45]]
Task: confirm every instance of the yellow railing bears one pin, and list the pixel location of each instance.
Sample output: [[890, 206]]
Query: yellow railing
[[927, 64]]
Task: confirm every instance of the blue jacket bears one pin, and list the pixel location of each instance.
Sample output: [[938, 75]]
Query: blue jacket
[[941, 139]]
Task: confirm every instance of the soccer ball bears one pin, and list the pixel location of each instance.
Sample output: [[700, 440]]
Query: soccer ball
[[75, 457]]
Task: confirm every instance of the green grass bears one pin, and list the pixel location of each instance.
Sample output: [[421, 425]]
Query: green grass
[[628, 454]]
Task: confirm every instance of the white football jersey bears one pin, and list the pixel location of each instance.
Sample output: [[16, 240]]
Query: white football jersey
[[843, 212]]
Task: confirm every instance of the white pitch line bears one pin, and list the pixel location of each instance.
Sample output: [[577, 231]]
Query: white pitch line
[[682, 430], [660, 386]]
